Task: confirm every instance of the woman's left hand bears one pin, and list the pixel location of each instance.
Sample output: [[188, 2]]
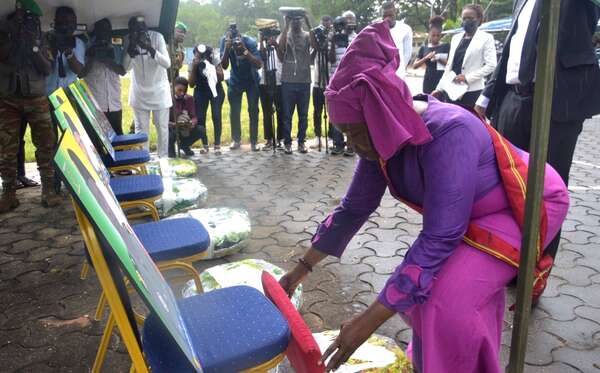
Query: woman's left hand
[[353, 333], [460, 78]]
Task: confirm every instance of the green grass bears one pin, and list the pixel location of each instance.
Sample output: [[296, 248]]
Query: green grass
[[226, 133]]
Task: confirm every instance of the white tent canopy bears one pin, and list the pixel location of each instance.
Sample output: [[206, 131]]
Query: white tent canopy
[[90, 11]]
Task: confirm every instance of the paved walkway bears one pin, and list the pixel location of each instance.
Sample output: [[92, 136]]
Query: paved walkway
[[44, 323]]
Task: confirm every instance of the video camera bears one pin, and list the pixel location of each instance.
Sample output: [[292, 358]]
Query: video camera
[[340, 37], [62, 37], [236, 39], [320, 33], [293, 12], [139, 38]]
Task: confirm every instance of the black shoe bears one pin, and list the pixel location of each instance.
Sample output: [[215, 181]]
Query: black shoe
[[279, 146], [337, 150], [349, 152], [254, 148], [288, 149], [189, 152], [217, 149], [27, 182], [302, 148]]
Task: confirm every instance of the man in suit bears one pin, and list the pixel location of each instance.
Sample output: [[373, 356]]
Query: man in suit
[[508, 97]]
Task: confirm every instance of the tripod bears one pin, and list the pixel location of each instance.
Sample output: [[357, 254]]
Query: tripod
[[271, 84], [323, 71]]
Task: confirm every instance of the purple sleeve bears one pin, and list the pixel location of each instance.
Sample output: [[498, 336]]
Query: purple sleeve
[[362, 198], [450, 168]]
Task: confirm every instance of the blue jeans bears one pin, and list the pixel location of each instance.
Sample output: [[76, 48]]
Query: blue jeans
[[234, 94], [337, 137], [295, 95]]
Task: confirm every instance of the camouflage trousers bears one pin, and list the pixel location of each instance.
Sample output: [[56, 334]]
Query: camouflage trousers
[[36, 111]]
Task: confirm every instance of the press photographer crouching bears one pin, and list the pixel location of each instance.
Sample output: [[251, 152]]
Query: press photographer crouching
[[150, 92], [183, 123], [206, 75], [270, 83], [103, 71], [24, 66]]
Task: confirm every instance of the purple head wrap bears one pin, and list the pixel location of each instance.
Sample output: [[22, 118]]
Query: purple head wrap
[[366, 89]]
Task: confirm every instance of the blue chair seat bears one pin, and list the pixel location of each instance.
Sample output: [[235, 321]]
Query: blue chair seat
[[128, 157], [130, 139], [231, 329], [173, 239], [133, 188]]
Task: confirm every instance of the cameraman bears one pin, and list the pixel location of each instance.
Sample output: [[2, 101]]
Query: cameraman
[[294, 52], [103, 71], [319, 83], [205, 76], [270, 88], [150, 92], [67, 51], [241, 51], [24, 66], [343, 34]]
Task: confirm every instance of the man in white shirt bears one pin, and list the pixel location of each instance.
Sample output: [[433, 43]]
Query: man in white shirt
[[148, 58], [103, 71], [402, 35]]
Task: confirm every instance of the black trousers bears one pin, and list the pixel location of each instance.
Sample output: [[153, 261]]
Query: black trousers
[[468, 99], [318, 95], [196, 133], [514, 122], [267, 101], [115, 118]]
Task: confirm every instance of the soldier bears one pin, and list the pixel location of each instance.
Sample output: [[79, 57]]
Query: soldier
[[24, 66], [178, 54]]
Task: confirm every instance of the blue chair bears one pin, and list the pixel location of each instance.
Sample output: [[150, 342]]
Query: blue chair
[[236, 329], [88, 104]]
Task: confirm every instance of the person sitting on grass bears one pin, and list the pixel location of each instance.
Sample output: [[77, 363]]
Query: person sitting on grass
[[183, 120]]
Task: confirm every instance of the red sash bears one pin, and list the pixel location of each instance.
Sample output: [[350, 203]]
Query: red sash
[[513, 172]]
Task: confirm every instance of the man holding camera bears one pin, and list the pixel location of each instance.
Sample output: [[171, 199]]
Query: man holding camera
[[270, 84], [103, 71], [343, 33], [67, 51], [150, 92], [241, 51], [24, 66], [321, 72], [294, 52]]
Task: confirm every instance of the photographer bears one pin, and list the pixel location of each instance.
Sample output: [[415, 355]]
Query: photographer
[[24, 66], [150, 92], [294, 52], [205, 76], [270, 87], [67, 51], [103, 71], [183, 120], [241, 51], [321, 72], [343, 34]]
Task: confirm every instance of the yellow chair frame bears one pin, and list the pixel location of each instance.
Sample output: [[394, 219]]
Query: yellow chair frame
[[118, 314]]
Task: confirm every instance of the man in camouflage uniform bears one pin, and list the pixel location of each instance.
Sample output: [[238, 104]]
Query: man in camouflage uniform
[[24, 66], [178, 54]]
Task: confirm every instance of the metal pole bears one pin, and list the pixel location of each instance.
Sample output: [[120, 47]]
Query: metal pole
[[542, 111]]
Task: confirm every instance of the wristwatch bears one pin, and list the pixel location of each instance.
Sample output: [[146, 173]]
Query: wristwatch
[[35, 49]]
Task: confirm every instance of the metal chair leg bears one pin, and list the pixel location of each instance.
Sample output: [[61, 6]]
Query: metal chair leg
[[104, 342], [100, 308]]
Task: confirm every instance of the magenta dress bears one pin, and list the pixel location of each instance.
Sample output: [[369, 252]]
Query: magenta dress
[[450, 293]]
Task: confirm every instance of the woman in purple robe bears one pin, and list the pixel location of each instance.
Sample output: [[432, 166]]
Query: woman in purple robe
[[442, 158]]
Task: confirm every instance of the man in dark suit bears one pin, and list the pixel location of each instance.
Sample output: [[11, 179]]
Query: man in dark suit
[[508, 97]]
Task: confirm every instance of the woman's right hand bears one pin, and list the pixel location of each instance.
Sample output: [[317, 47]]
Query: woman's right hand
[[290, 281]]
